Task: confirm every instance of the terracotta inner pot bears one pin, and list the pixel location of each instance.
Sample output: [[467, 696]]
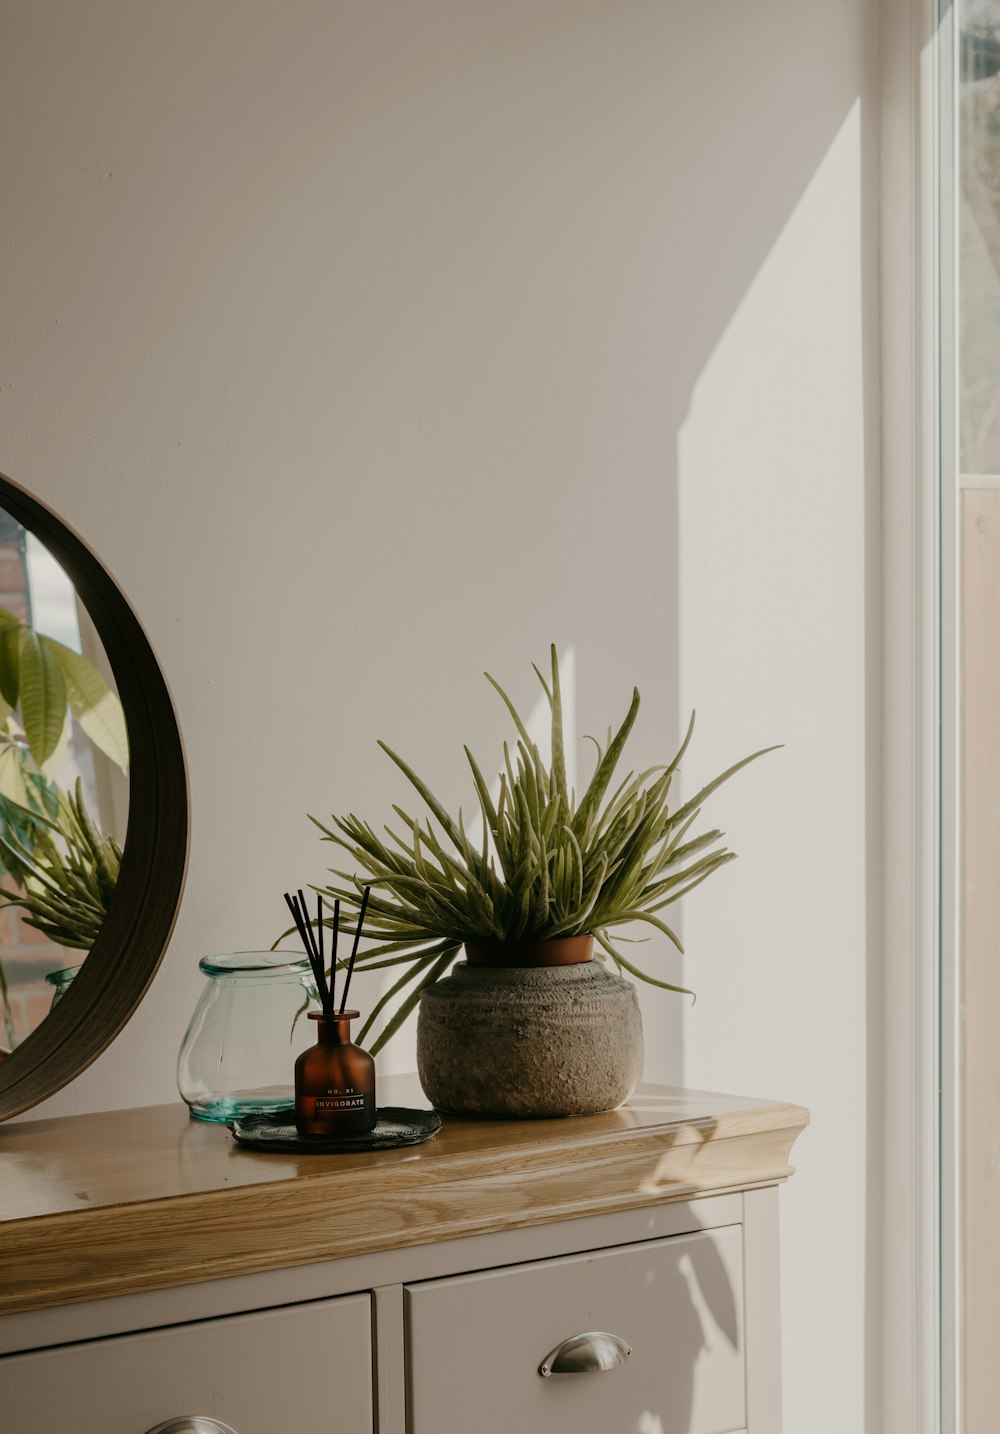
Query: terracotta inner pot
[[558, 951]]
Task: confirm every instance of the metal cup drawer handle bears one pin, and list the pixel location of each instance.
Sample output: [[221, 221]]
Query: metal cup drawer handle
[[582, 1353], [192, 1424]]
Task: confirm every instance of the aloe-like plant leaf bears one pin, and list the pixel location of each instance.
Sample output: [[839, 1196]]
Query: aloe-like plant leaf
[[717, 782], [601, 779], [576, 890], [10, 846], [420, 963], [650, 919], [409, 975], [548, 865], [491, 820], [30, 815], [679, 754], [68, 884], [558, 738], [576, 924], [434, 974], [522, 731], [634, 970], [695, 878], [445, 821], [408, 956]]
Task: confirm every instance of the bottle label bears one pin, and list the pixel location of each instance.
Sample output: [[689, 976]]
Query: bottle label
[[325, 1103]]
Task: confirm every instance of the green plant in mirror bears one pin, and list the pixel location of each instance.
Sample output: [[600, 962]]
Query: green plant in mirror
[[69, 875], [548, 863], [45, 687]]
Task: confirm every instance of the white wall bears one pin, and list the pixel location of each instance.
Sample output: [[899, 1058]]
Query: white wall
[[370, 345]]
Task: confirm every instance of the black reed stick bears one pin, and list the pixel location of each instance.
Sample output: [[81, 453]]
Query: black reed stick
[[293, 903], [307, 923], [302, 924], [326, 1000], [293, 907], [316, 959], [333, 949], [322, 958], [354, 950]]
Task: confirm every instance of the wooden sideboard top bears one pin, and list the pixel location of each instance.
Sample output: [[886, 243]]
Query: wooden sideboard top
[[131, 1200]]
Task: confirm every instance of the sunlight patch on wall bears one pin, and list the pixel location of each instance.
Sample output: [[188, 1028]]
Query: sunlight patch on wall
[[774, 514], [771, 550]]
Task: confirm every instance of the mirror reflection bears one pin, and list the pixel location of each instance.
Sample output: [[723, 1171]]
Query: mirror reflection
[[63, 782]]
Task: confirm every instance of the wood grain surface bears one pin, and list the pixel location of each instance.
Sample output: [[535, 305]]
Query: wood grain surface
[[132, 1200]]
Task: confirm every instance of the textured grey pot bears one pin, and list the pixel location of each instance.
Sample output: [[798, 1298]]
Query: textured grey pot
[[519, 1042]]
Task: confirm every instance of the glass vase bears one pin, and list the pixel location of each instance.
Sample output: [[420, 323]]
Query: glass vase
[[238, 1053], [60, 981]]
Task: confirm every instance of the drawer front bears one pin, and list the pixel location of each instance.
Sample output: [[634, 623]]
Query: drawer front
[[303, 1369], [475, 1343]]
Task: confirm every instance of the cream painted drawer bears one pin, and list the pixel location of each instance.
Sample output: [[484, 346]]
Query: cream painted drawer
[[475, 1343], [302, 1369]]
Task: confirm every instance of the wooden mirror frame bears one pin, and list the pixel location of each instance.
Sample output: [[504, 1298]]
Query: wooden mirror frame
[[121, 963]]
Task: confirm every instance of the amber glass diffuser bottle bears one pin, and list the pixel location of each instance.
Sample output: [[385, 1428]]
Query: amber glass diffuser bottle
[[334, 1081]]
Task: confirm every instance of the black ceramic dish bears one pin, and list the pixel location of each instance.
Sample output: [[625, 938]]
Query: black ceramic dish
[[396, 1125]]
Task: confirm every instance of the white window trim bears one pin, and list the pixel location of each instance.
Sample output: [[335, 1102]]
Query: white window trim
[[915, 1365]]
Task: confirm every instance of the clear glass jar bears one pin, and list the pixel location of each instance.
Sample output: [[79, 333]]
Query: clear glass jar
[[238, 1053], [61, 982]]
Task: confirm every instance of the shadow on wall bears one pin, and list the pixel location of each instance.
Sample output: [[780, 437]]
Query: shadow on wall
[[712, 124], [431, 287], [453, 271], [570, 204]]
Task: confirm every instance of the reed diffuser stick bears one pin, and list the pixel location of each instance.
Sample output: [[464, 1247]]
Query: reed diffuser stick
[[310, 936], [322, 958], [306, 936], [333, 952], [354, 949]]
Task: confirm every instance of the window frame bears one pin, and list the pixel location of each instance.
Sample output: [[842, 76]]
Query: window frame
[[914, 1370]]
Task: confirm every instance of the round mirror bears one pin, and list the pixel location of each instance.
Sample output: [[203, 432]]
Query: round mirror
[[93, 806]]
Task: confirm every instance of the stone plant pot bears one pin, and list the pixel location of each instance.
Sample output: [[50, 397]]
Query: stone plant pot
[[529, 1041]]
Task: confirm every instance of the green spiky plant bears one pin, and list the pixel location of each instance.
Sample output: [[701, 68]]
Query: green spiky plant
[[69, 871], [548, 864], [46, 689]]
